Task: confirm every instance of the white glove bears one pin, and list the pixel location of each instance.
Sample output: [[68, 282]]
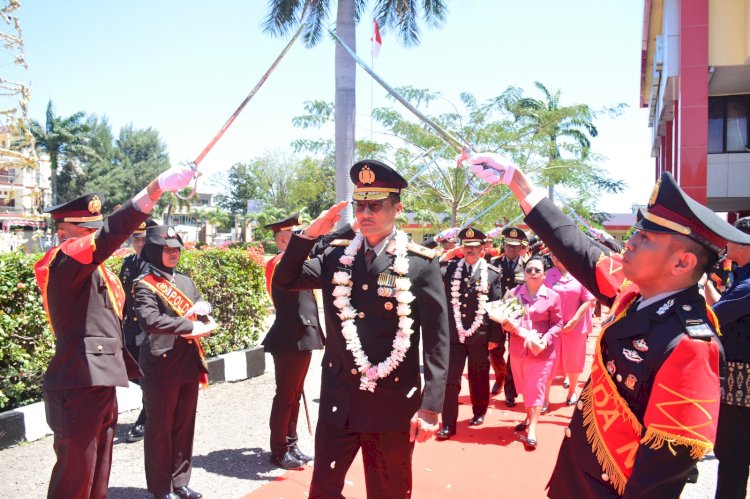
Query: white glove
[[201, 329], [176, 178], [451, 233], [600, 235], [495, 232], [492, 168], [200, 308]]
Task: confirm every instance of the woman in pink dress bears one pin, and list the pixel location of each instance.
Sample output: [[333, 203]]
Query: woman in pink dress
[[532, 343], [576, 304]]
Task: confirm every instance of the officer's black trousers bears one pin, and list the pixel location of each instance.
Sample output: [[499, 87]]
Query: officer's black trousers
[[479, 380], [733, 451], [386, 456], [290, 369], [83, 422], [168, 442]]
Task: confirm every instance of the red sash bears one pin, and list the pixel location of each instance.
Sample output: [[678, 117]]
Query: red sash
[[682, 410], [270, 269], [81, 250], [180, 304]]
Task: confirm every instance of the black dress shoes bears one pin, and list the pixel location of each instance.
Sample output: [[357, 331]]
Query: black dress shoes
[[287, 462], [187, 493], [299, 455], [510, 402], [445, 433], [495, 388], [136, 433], [477, 420], [168, 495]]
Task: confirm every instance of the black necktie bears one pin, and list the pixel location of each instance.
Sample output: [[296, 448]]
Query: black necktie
[[369, 257]]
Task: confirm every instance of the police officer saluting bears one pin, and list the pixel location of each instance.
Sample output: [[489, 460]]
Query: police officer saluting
[[174, 316], [649, 410], [133, 266], [294, 334], [470, 282], [84, 301], [380, 294]]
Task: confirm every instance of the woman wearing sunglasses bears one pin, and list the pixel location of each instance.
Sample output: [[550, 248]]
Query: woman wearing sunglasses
[[532, 344]]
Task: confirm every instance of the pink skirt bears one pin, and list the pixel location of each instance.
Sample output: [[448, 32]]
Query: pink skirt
[[530, 377], [571, 353]]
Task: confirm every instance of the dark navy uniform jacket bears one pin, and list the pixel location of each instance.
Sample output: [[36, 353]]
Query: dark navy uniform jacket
[[167, 358], [635, 346], [132, 267], [398, 396], [88, 338]]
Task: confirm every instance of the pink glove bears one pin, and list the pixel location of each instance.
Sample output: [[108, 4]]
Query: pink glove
[[176, 178], [492, 168]]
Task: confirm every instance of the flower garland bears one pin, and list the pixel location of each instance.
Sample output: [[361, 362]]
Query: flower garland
[[370, 374], [482, 288]]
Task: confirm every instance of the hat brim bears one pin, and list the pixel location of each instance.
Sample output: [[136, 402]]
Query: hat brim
[[370, 195], [93, 224], [173, 243]]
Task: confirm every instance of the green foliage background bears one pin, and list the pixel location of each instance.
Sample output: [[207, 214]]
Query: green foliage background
[[232, 280]]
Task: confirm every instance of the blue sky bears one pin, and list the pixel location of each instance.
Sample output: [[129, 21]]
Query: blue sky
[[182, 67]]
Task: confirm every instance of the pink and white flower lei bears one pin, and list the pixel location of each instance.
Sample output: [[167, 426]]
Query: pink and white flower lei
[[482, 288], [370, 374]]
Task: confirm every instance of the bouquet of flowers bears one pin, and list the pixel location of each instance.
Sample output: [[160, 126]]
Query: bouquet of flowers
[[508, 309]]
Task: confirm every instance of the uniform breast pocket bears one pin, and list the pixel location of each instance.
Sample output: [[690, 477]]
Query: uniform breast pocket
[[101, 346]]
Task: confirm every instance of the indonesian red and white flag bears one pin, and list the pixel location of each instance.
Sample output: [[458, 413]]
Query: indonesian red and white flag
[[377, 42]]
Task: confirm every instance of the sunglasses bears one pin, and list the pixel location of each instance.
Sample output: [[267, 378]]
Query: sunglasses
[[373, 206], [532, 270]]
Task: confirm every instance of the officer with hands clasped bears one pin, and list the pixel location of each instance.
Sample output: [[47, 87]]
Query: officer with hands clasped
[[174, 316], [649, 410], [381, 293], [470, 282], [84, 303]]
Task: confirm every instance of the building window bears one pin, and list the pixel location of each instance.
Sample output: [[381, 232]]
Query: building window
[[728, 124]]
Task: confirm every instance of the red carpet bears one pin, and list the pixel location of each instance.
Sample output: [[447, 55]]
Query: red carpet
[[484, 461]]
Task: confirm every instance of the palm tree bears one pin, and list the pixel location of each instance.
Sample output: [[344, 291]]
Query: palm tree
[[556, 128], [285, 16], [63, 139]]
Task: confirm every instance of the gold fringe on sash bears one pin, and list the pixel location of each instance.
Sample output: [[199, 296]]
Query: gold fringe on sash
[[656, 439]]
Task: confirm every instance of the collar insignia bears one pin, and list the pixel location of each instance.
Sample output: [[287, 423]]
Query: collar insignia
[[667, 305]]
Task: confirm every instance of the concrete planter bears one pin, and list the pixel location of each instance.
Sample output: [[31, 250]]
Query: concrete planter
[[29, 422]]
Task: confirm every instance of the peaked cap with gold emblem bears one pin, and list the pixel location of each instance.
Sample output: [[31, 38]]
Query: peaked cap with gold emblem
[[471, 237], [514, 236], [672, 211], [141, 230], [375, 180], [84, 211], [289, 223]]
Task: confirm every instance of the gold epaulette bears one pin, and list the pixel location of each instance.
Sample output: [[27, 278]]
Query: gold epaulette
[[339, 242], [421, 250]]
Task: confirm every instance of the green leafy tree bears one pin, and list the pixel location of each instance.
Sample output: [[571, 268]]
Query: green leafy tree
[[559, 138], [65, 141], [284, 16]]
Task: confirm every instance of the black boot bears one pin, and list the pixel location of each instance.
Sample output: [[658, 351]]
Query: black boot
[[295, 451], [287, 461]]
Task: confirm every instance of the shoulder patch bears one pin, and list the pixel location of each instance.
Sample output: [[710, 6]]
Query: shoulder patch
[[496, 269], [421, 250], [696, 326], [339, 242]]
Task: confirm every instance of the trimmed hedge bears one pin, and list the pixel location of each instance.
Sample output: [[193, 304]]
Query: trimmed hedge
[[232, 280]]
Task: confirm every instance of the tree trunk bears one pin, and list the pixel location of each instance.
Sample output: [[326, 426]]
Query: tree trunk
[[53, 177], [345, 102]]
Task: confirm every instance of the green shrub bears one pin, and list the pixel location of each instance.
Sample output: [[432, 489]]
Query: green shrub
[[26, 344], [231, 280]]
